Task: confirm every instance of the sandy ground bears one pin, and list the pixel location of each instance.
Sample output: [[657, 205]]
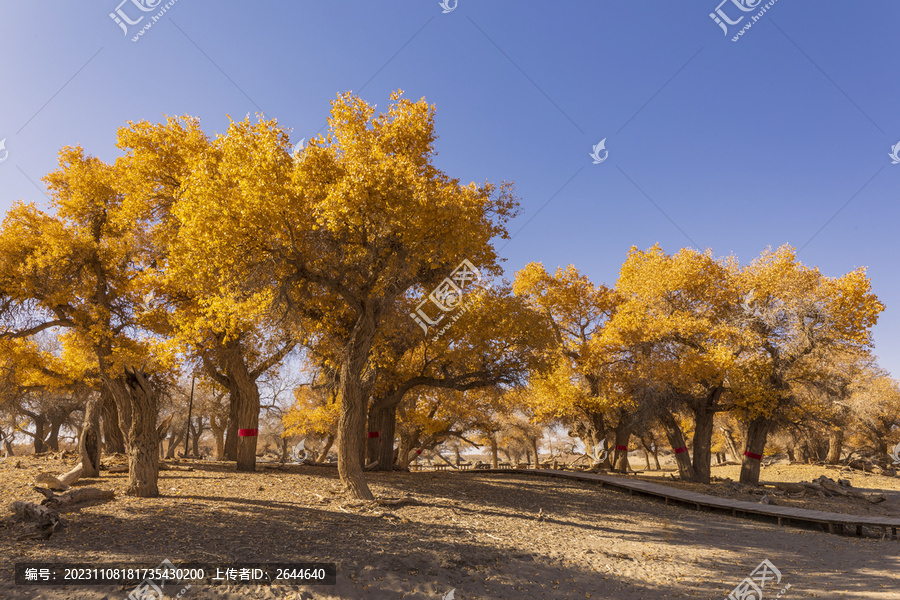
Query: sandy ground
[[485, 536]]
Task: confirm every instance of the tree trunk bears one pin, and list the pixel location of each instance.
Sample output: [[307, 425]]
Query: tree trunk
[[676, 440], [656, 459], [138, 405], [408, 449], [703, 430], [329, 441], [354, 400], [112, 431], [40, 423], [495, 456], [835, 444], [534, 449], [7, 445], [730, 443], [245, 406], [591, 430], [383, 420], [647, 459], [89, 442], [231, 432], [351, 436], [218, 429], [757, 433], [195, 435], [53, 439], [802, 450], [174, 442], [284, 449], [623, 436]]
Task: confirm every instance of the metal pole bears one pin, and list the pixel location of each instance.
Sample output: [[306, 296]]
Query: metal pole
[[187, 433]]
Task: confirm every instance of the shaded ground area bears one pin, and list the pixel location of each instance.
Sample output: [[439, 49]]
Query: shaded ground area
[[487, 536]]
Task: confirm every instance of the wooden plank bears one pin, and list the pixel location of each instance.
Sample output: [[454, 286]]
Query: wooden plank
[[835, 522]]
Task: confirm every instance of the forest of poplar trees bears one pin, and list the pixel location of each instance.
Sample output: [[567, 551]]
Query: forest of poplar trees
[[355, 259]]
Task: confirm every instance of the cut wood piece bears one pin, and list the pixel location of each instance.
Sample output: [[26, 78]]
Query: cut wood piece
[[118, 469], [74, 496], [72, 476]]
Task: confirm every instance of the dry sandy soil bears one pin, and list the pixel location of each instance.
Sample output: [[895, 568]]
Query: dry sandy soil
[[500, 536]]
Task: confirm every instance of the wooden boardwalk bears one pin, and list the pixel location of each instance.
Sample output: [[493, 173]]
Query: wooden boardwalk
[[833, 522]]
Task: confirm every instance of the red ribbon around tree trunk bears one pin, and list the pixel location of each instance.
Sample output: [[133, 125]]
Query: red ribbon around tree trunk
[[680, 450], [753, 455], [622, 448], [248, 432]]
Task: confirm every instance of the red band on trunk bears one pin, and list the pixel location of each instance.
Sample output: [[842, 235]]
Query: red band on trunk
[[248, 432], [374, 434], [680, 450], [753, 455], [622, 448], [418, 452]]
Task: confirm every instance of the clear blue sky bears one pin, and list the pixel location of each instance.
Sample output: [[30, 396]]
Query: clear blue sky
[[781, 137]]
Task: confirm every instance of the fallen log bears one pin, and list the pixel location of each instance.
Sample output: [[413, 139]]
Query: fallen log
[[50, 481], [840, 490], [118, 469], [72, 476], [74, 496], [168, 467], [866, 466], [318, 464], [46, 520], [792, 488]]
